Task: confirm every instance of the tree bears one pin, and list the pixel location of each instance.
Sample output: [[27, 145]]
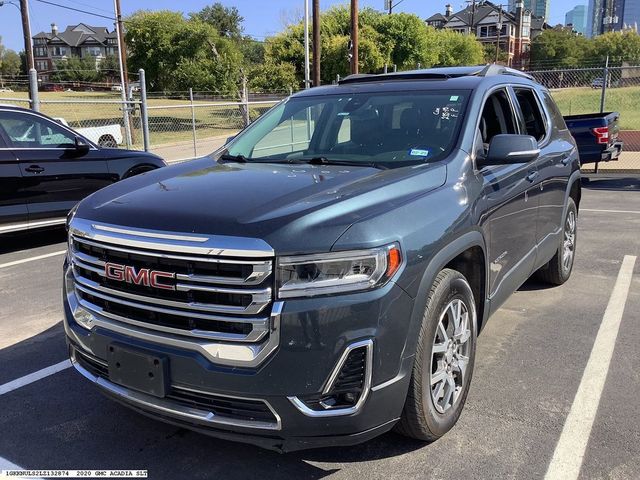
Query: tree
[[9, 61], [560, 48], [226, 20], [178, 54], [401, 39], [618, 46], [272, 77], [76, 69]]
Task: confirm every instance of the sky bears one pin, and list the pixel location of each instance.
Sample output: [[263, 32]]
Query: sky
[[261, 17]]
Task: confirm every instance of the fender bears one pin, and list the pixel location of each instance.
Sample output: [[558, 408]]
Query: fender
[[447, 253], [573, 178]]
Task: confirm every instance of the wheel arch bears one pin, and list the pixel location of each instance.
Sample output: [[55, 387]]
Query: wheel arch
[[139, 168], [459, 254]]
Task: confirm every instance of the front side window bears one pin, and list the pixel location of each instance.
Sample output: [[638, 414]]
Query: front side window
[[497, 118], [29, 131], [388, 129]]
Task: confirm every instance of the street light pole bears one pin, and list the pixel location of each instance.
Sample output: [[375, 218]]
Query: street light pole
[[316, 43], [354, 36], [307, 80]]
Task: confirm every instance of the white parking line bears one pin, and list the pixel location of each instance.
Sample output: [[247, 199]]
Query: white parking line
[[31, 259], [570, 450], [608, 211], [34, 377]]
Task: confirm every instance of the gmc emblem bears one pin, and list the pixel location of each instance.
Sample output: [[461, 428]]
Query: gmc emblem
[[144, 276]]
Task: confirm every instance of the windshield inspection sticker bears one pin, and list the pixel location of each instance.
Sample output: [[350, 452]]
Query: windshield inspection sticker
[[418, 152], [453, 98]]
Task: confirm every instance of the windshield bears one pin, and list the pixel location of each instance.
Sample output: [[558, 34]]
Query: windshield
[[388, 129]]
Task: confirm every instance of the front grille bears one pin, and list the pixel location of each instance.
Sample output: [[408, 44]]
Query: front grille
[[233, 408], [209, 296]]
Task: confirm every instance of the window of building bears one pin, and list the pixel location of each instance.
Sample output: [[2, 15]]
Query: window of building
[[534, 120], [59, 51], [93, 51], [40, 52], [42, 65]]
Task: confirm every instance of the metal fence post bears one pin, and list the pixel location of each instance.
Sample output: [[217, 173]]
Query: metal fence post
[[246, 118], [33, 87], [385, 68], [193, 122], [395, 68], [605, 80], [144, 114]]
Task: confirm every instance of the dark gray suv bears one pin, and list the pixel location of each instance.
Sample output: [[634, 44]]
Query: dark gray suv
[[322, 278]]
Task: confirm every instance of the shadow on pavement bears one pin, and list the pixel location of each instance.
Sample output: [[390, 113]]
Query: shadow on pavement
[[13, 242], [611, 183], [63, 422]]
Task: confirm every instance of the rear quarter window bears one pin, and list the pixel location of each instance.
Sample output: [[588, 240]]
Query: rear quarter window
[[556, 117]]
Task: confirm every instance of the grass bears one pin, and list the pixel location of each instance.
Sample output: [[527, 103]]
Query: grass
[[169, 125], [626, 100]]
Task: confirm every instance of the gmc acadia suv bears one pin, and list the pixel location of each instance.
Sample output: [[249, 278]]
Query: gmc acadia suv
[[322, 278]]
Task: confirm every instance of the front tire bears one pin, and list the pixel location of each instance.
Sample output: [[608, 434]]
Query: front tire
[[444, 360], [559, 268]]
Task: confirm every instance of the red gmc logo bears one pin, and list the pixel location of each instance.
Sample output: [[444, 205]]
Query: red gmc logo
[[144, 276]]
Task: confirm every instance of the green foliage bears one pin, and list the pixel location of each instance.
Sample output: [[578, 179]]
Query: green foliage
[[226, 20], [401, 39], [76, 69], [272, 77], [9, 61], [178, 54], [559, 48]]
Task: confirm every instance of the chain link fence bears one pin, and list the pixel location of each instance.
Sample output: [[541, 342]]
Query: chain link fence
[[603, 89], [182, 125]]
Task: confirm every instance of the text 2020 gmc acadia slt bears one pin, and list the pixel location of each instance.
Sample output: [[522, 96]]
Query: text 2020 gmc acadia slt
[[322, 278]]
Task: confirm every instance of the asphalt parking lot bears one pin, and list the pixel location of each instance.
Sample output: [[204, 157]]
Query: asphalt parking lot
[[530, 365]]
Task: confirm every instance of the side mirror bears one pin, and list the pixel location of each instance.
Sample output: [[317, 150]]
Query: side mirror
[[505, 149], [81, 145]]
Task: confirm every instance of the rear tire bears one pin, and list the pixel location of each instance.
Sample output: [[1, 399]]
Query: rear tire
[[444, 360], [559, 268]]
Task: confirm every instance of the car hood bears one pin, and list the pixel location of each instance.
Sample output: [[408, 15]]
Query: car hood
[[294, 208]]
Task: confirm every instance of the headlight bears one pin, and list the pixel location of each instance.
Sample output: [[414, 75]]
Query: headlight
[[337, 272]]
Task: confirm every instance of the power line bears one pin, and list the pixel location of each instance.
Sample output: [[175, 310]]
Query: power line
[[76, 9]]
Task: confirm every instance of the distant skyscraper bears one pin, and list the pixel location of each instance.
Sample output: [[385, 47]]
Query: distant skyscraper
[[612, 15], [539, 8], [577, 17]]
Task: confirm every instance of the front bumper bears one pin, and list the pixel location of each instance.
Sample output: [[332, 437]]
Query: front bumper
[[313, 336]]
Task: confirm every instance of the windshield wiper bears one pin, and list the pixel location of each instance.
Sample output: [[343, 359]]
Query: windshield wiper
[[329, 161], [233, 158]]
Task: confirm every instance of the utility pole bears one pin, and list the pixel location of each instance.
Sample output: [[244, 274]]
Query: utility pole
[[307, 80], [316, 43], [124, 77], [499, 28], [473, 15], [28, 48], [354, 36]]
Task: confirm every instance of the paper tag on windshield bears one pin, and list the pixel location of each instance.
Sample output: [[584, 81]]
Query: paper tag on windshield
[[453, 98], [417, 152]]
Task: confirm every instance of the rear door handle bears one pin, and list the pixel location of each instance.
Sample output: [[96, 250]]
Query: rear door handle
[[532, 176], [34, 169]]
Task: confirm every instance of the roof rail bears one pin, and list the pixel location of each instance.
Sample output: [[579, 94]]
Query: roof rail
[[495, 69], [410, 75], [433, 74]]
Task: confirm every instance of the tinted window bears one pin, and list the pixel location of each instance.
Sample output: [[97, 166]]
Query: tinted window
[[497, 118], [29, 131], [393, 129], [554, 111], [534, 122]]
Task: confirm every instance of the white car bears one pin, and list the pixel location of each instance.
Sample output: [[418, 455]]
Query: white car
[[109, 136], [6, 90]]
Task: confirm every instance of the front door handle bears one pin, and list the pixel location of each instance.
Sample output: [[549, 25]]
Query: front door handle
[[34, 169], [532, 176], [565, 160]]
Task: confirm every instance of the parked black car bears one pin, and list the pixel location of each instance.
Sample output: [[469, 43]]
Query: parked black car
[[46, 168], [322, 278]]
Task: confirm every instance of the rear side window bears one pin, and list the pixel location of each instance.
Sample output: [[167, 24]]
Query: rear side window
[[534, 121], [29, 131]]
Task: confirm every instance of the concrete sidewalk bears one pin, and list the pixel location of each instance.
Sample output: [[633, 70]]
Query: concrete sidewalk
[[180, 151]]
